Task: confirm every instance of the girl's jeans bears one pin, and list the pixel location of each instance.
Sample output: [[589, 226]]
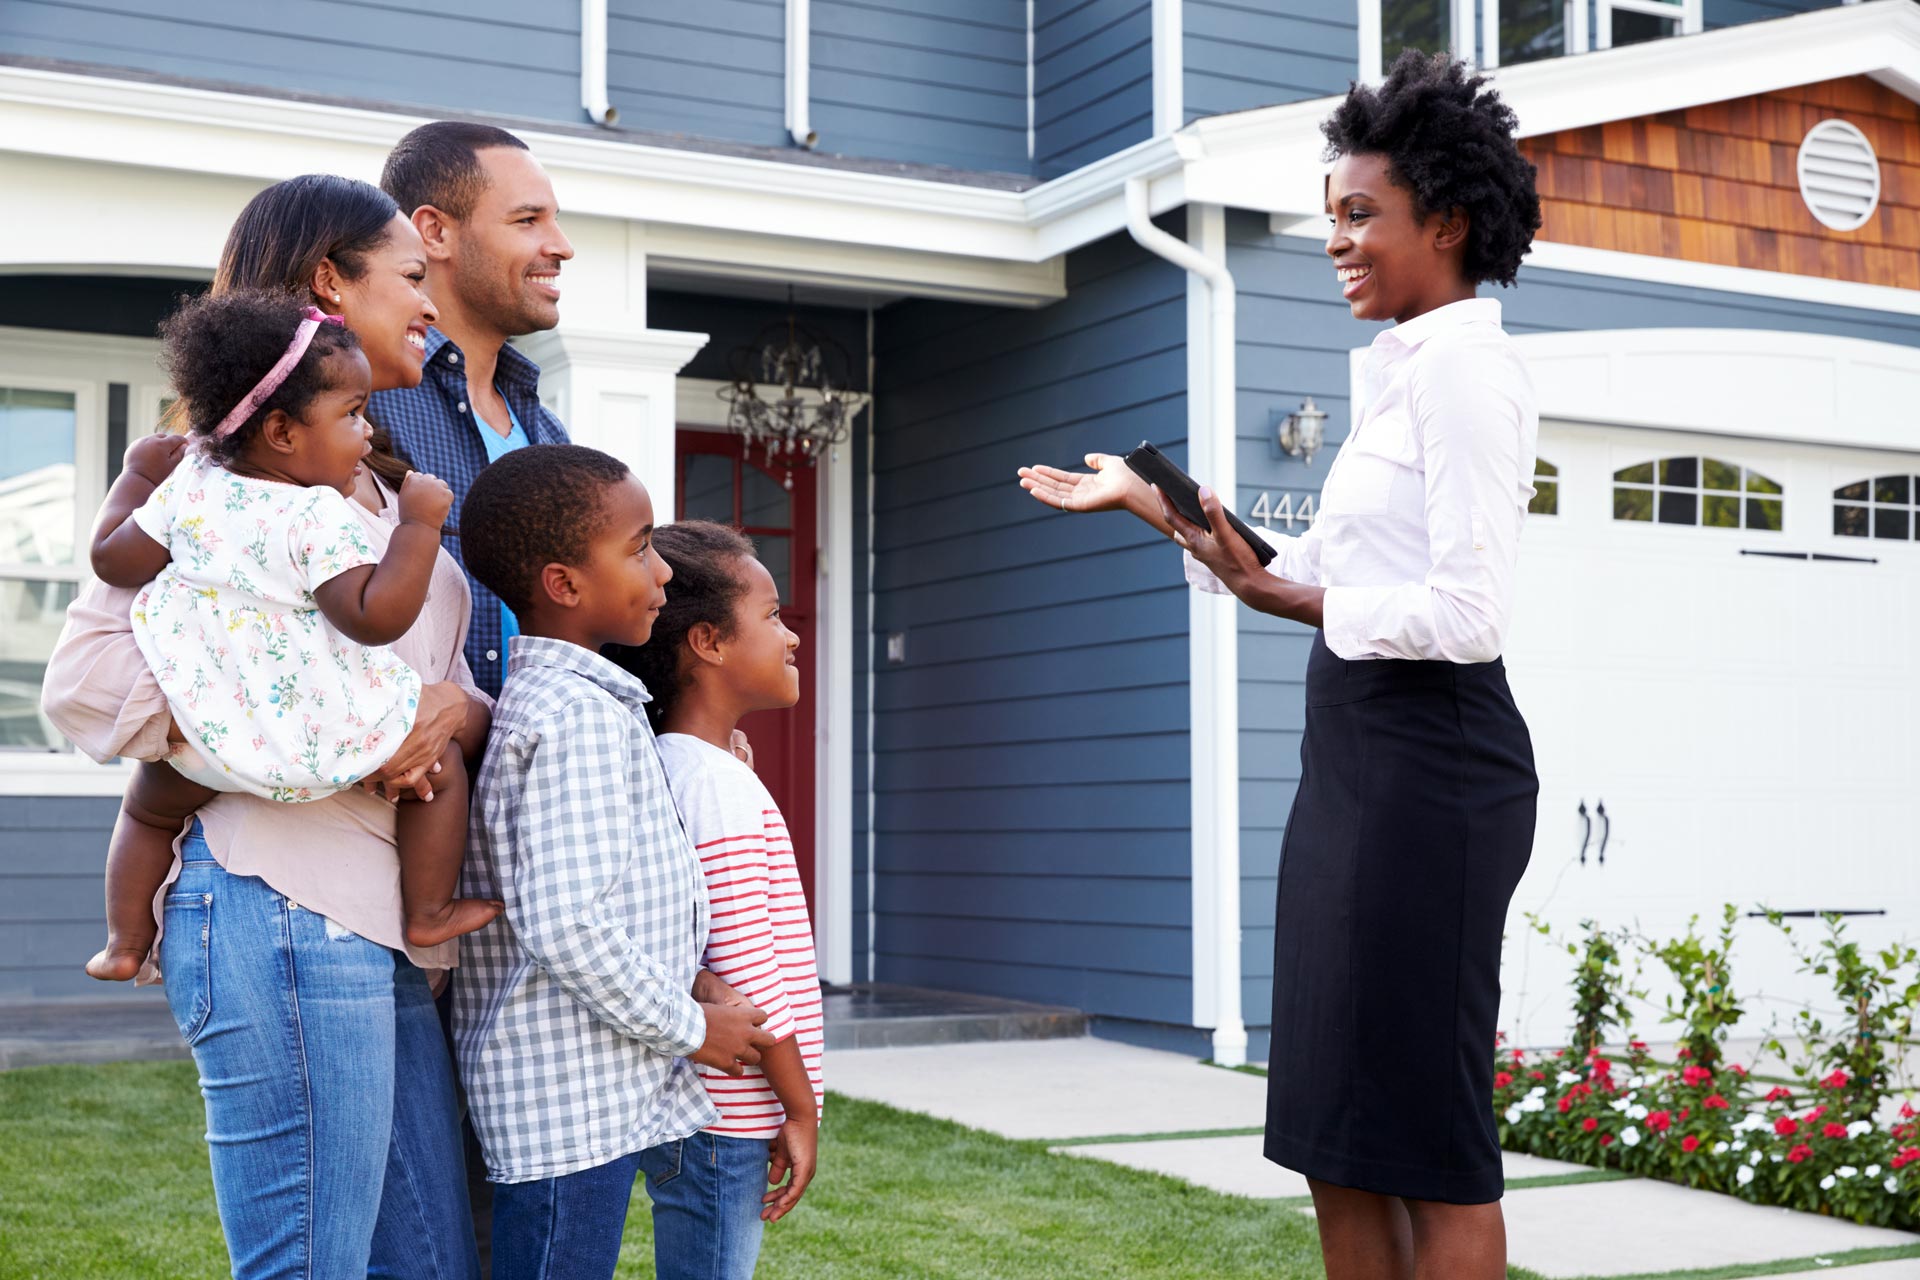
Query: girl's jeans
[[331, 1117]]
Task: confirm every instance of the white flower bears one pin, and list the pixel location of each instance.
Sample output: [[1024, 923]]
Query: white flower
[[1859, 1127], [1777, 1157], [1719, 1148], [1637, 1082], [1826, 1183], [1532, 1103], [1744, 1175], [1621, 1105], [1755, 1158], [1873, 1171], [1892, 1185], [1847, 1171], [1636, 1112], [1539, 1091], [1630, 1136], [1513, 1115], [1567, 1077], [1739, 1144]]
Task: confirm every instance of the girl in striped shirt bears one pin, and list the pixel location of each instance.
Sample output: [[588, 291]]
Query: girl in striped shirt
[[718, 652]]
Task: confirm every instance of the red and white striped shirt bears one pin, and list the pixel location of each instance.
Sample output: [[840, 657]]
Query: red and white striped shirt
[[761, 942]]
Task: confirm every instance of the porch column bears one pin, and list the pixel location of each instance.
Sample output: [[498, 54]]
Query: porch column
[[614, 390]]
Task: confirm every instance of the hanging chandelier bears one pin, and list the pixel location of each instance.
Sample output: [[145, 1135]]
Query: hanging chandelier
[[789, 394]]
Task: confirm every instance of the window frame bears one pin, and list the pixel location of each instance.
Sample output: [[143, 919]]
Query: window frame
[[83, 365], [1691, 14], [1479, 41], [1700, 492]]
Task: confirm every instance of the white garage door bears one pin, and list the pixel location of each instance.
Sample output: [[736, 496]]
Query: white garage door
[[1715, 640]]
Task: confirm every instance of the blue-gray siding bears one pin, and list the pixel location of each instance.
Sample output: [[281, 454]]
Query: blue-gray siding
[[1092, 80], [1295, 335], [504, 57], [715, 69], [1031, 794], [53, 853], [927, 82], [1255, 53]]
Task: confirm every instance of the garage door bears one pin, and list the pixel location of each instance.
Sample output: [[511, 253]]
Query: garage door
[[1714, 644]]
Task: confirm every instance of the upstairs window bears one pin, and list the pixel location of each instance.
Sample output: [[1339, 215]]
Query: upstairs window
[[1697, 491], [1624, 22], [1502, 33], [1883, 507]]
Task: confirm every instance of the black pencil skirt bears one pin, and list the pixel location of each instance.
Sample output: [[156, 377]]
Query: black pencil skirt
[[1413, 823]]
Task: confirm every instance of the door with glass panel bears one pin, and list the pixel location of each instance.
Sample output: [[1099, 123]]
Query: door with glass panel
[[718, 480], [40, 552]]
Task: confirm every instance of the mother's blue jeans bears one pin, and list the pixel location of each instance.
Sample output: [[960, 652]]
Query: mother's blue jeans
[[331, 1116]]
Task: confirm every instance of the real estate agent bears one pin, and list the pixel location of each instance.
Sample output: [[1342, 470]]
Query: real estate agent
[[1415, 812]]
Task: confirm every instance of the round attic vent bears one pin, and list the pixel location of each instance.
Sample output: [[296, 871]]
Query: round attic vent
[[1839, 175]]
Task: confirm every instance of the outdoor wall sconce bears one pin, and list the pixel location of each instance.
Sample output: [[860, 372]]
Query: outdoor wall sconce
[[1303, 431]]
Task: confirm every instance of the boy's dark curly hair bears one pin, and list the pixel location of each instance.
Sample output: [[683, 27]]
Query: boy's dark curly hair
[[707, 584], [539, 505], [217, 347], [1450, 143]]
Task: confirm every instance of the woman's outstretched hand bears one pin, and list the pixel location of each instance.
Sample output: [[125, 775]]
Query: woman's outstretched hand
[[1110, 487]]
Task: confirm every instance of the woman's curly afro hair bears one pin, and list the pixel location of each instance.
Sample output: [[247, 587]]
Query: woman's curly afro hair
[[1450, 143], [217, 347]]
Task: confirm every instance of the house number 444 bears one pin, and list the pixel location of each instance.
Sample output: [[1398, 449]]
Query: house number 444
[[1268, 512]]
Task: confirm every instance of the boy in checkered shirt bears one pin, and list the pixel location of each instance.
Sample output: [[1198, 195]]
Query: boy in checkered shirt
[[578, 1016]]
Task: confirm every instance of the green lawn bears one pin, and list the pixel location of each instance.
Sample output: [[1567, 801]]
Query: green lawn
[[103, 1174]]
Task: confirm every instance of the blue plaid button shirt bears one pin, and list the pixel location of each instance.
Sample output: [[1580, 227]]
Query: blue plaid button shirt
[[573, 1012], [433, 426]]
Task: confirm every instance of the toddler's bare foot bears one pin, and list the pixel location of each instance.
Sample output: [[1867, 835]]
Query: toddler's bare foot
[[117, 963], [462, 915]]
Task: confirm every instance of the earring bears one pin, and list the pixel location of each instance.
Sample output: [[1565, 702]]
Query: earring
[[336, 297]]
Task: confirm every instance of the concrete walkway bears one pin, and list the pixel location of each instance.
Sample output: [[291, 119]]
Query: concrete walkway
[[1074, 1090]]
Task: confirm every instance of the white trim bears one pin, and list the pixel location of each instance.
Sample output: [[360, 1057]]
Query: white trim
[[1213, 655], [1461, 39], [834, 639], [1805, 388], [593, 63], [62, 773], [1169, 68], [1549, 256], [799, 74], [1368, 30], [1032, 136]]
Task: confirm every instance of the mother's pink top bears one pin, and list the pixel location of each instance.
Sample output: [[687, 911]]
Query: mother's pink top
[[334, 856]]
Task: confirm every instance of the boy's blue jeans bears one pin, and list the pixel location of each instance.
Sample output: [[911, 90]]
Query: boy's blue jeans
[[706, 1214], [332, 1124]]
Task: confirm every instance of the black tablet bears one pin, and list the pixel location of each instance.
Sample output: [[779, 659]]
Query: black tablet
[[1183, 492]]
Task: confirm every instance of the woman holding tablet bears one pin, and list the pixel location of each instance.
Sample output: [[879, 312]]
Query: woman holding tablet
[[1415, 812]]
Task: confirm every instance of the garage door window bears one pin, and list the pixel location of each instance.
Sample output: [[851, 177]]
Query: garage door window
[[1883, 507], [1697, 491], [1546, 489]]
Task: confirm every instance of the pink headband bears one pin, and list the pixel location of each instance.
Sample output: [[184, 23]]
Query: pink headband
[[302, 339]]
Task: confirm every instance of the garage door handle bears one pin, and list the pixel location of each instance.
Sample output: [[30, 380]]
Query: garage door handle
[[1606, 830], [1586, 832]]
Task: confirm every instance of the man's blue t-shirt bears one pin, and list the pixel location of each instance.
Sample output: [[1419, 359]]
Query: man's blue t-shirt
[[498, 447]]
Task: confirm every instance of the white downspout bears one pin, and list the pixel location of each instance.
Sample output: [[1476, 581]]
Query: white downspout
[[593, 63], [1214, 667], [799, 66]]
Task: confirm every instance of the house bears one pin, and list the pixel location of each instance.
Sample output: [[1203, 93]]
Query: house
[[1030, 762]]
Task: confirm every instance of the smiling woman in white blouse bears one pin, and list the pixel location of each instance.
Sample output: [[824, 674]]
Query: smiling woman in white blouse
[[1415, 812]]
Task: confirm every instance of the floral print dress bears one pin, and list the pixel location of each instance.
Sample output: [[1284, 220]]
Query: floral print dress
[[282, 704]]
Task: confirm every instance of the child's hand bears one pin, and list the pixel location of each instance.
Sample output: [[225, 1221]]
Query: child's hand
[[153, 458], [709, 988], [742, 749], [734, 1038], [796, 1151], [425, 499]]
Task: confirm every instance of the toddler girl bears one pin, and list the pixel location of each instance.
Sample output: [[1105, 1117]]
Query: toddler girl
[[265, 615], [718, 652]]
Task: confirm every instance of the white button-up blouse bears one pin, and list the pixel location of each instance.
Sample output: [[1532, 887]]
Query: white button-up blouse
[[1419, 524]]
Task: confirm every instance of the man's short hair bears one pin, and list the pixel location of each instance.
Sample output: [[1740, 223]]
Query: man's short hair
[[541, 504], [439, 164]]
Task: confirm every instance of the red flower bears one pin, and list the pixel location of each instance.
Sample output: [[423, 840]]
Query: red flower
[[1714, 1102], [1689, 1143], [1600, 1064], [1566, 1104], [1779, 1093], [1606, 1139], [1538, 1075], [1559, 1053], [1906, 1157], [1834, 1131], [1736, 1068], [1906, 1111], [1838, 1080], [1589, 1124], [1683, 1052], [1815, 1114], [1785, 1127], [1518, 1055], [1696, 1075], [1501, 1079], [1636, 1044], [1659, 1121], [1799, 1154], [1685, 1112]]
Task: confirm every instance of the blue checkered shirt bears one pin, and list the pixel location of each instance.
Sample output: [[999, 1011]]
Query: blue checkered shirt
[[433, 427], [573, 1012]]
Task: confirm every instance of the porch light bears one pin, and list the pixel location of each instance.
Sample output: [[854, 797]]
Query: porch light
[[789, 394], [1303, 431]]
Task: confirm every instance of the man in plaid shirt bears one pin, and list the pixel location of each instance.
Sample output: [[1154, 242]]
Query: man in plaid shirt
[[489, 220], [575, 1012]]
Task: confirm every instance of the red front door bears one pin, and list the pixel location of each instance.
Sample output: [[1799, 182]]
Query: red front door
[[719, 482]]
